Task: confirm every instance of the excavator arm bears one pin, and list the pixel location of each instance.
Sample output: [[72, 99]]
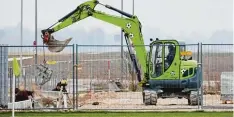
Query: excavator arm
[[130, 25]]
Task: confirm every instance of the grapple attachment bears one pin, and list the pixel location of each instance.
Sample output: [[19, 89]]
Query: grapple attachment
[[44, 73]]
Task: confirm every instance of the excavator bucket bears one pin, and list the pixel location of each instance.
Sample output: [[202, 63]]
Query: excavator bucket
[[56, 45]]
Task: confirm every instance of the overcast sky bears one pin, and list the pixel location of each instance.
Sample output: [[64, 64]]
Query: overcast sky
[[167, 18]]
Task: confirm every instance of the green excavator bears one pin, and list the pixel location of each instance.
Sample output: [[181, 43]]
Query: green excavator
[[162, 72]]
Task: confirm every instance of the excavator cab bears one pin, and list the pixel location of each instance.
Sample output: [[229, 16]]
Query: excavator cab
[[170, 73], [165, 60]]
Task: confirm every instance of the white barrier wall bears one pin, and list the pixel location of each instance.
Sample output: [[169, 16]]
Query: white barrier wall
[[227, 85]]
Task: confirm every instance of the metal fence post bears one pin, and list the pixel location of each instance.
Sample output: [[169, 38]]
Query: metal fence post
[[73, 78], [201, 77], [76, 77], [198, 78], [122, 45], [1, 77]]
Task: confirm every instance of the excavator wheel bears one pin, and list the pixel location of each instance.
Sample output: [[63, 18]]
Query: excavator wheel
[[194, 99], [150, 97]]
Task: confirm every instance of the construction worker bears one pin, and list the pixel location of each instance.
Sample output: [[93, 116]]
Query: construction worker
[[170, 56]]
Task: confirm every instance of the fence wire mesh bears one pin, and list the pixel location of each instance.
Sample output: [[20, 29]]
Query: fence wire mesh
[[105, 78], [102, 70], [108, 79], [61, 65], [217, 62]]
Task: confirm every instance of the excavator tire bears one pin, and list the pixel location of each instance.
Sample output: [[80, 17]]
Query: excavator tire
[[194, 99], [150, 97]]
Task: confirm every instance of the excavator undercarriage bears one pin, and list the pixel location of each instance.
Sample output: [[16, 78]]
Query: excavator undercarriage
[[150, 97]]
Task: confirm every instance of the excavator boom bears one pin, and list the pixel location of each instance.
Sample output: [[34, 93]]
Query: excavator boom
[[130, 25]]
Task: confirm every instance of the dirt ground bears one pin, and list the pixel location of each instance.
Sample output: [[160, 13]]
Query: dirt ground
[[133, 100]]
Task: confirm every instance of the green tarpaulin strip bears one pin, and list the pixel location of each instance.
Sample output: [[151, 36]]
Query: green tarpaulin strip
[[16, 68]]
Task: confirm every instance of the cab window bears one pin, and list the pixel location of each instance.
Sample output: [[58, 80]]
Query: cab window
[[157, 59]]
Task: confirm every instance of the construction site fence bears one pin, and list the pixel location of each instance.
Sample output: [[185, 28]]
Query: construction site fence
[[33, 56], [103, 77]]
